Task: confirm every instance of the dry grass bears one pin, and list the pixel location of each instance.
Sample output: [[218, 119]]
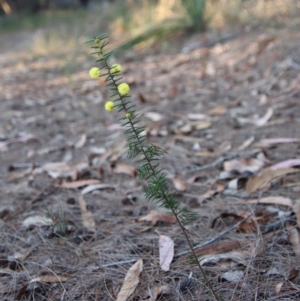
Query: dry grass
[[65, 31], [140, 18], [256, 12]]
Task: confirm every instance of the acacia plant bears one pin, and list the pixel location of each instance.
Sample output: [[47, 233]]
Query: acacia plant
[[148, 155]]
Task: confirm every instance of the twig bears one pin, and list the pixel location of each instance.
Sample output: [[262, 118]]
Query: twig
[[278, 225], [108, 265], [21, 165], [227, 230], [287, 295], [63, 295]]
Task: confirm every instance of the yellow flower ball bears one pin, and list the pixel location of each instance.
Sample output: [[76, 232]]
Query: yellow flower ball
[[116, 69], [109, 106], [95, 73], [123, 89], [128, 115]]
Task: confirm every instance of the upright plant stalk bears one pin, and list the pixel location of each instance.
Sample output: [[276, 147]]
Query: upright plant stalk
[[149, 155], [195, 10]]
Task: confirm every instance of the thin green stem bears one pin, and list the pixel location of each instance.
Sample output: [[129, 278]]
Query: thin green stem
[[154, 175]]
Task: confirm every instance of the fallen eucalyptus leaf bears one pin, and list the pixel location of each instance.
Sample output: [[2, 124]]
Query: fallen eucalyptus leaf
[[131, 280]]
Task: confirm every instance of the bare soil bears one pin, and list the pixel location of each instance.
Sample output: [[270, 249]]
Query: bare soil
[[52, 112]]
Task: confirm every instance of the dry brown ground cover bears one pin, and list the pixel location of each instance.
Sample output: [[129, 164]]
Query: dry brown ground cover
[[72, 210]]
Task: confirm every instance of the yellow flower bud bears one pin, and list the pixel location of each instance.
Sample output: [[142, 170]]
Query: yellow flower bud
[[128, 115], [109, 106], [95, 73], [123, 89], [116, 69], [97, 41]]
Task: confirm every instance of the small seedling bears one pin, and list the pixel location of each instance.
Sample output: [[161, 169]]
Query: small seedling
[[149, 171], [60, 227]]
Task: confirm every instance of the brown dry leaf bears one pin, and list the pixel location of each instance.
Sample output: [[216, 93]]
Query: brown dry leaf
[[278, 287], [296, 209], [218, 110], [277, 121], [25, 139], [273, 141], [229, 259], [87, 217], [81, 166], [196, 116], [232, 276], [156, 130], [293, 274], [121, 168], [166, 252], [20, 256], [131, 280], [248, 226], [19, 174], [50, 279], [195, 177], [185, 129], [37, 221], [207, 153], [216, 188], [260, 121], [155, 216], [22, 291], [59, 170], [243, 165], [81, 142], [202, 124], [42, 278], [142, 98], [218, 248], [77, 184], [246, 143], [223, 147], [43, 151], [97, 150], [265, 177], [286, 164], [278, 200], [262, 156], [179, 183], [153, 116]]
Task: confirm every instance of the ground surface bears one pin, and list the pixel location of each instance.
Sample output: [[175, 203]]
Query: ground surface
[[204, 107]]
